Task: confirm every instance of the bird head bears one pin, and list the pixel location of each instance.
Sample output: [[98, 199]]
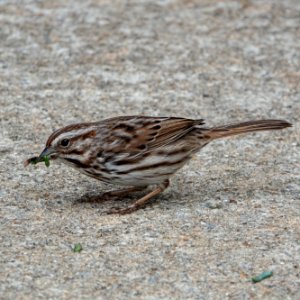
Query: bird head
[[69, 143]]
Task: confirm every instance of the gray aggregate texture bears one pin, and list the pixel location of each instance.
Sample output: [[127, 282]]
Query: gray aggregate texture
[[229, 214]]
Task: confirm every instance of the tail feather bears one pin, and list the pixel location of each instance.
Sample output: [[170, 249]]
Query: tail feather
[[250, 126]]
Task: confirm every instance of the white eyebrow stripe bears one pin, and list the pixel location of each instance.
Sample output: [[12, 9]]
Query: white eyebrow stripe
[[71, 134]]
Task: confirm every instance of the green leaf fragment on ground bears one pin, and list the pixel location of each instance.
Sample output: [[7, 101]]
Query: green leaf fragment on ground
[[262, 276], [77, 248]]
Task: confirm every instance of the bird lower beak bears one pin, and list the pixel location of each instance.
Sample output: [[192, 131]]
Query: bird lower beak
[[46, 152]]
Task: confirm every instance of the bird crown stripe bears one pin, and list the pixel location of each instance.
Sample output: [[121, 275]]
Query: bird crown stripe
[[73, 134]]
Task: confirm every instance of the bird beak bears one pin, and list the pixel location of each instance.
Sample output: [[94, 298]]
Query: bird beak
[[46, 152]]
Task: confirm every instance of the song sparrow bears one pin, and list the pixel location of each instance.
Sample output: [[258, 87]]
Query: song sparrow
[[138, 151]]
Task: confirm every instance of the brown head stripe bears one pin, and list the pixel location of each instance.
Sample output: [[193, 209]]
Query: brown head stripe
[[68, 128]]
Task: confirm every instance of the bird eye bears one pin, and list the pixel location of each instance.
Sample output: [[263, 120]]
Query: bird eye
[[65, 142]]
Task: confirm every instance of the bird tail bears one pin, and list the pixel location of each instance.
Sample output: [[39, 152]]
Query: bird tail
[[244, 127]]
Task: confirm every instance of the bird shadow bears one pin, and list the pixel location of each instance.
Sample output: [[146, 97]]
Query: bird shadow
[[106, 197]]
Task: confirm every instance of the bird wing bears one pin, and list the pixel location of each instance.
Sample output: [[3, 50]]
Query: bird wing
[[142, 134]]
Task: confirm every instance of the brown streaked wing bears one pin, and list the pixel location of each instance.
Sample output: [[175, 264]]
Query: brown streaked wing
[[154, 132], [171, 130]]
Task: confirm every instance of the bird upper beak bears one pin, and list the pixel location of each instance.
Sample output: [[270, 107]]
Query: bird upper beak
[[46, 152]]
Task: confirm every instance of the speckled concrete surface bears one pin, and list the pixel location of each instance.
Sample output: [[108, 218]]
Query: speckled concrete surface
[[232, 213]]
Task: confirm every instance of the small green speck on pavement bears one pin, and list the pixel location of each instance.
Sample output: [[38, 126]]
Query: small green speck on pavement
[[77, 248]]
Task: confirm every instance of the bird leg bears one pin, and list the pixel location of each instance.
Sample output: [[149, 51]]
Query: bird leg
[[140, 202]]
